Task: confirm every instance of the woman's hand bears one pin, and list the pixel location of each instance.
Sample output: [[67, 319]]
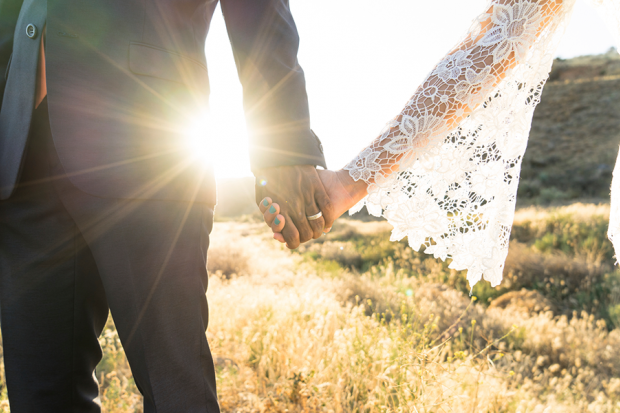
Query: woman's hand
[[342, 190]]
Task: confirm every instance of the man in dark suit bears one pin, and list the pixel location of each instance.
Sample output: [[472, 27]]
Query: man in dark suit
[[101, 204]]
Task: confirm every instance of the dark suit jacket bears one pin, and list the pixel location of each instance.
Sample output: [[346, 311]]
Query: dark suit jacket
[[9, 10], [124, 78]]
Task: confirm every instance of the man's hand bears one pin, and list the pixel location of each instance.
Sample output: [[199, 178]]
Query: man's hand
[[344, 193], [296, 192]]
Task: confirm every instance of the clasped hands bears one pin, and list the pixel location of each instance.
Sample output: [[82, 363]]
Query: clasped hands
[[289, 195]]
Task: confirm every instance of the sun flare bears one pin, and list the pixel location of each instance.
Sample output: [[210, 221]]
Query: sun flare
[[217, 141]]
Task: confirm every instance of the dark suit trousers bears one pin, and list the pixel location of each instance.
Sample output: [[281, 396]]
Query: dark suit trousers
[[66, 256]]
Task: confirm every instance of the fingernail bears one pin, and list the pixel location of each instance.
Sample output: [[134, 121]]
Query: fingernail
[[265, 202], [272, 209], [277, 221]]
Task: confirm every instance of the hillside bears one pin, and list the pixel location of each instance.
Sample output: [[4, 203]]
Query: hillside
[[575, 133]]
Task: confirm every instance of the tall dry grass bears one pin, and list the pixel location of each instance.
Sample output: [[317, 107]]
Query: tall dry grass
[[303, 341], [357, 324]]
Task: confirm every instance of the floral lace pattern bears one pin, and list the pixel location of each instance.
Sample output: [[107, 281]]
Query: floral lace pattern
[[445, 172]]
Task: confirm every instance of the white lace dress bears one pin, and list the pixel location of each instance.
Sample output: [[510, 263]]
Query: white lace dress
[[445, 171]]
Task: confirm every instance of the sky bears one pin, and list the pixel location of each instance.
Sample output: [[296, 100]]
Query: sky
[[363, 59]]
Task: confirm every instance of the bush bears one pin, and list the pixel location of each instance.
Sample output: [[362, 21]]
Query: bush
[[227, 259], [343, 253], [576, 230], [551, 194]]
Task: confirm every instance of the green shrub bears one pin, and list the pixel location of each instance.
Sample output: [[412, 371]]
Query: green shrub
[[551, 194], [566, 230]]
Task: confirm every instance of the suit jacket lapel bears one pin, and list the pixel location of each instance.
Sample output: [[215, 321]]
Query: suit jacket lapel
[[9, 12]]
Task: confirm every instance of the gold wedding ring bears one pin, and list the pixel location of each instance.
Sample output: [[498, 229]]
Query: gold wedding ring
[[315, 216]]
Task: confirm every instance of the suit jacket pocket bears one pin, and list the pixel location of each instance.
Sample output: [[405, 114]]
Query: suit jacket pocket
[[149, 60]]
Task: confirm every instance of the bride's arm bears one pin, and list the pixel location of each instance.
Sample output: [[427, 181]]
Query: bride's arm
[[499, 39]]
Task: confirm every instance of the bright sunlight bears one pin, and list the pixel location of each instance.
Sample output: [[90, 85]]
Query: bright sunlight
[[386, 47]]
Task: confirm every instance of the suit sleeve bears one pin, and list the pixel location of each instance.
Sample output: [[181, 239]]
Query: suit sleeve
[[9, 12], [265, 42]]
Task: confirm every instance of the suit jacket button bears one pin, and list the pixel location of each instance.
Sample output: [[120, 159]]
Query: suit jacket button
[[321, 147], [31, 31]]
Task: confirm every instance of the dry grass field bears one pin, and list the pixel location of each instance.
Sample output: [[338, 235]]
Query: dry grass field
[[355, 323]]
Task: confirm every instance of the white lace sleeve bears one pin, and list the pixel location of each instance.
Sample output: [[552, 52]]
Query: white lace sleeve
[[614, 211], [444, 173], [610, 12]]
